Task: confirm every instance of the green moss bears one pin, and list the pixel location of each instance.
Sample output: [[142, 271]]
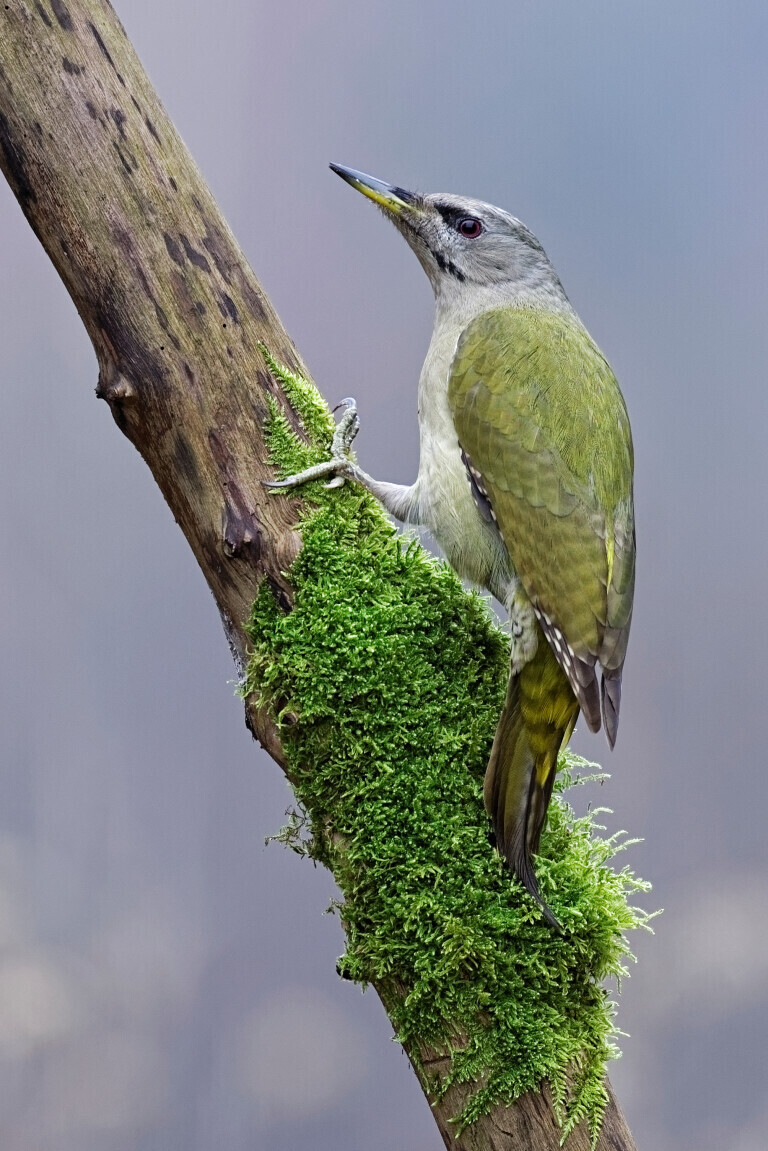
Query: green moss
[[387, 679]]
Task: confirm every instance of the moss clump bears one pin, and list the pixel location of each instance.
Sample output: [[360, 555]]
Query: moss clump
[[387, 679]]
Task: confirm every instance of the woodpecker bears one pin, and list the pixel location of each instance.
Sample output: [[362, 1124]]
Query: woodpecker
[[525, 480]]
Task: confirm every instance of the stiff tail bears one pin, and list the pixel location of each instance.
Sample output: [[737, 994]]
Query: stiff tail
[[538, 717]]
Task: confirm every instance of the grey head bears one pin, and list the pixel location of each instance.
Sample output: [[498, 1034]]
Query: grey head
[[465, 246]]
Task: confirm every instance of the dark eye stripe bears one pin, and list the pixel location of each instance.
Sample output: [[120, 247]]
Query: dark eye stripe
[[449, 214], [455, 217]]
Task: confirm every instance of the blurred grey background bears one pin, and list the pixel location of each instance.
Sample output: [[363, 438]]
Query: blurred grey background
[[166, 980]]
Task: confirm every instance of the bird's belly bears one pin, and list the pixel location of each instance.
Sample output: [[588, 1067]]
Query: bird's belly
[[472, 545]]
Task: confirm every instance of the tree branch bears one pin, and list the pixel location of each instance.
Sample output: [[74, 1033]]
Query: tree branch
[[175, 316]]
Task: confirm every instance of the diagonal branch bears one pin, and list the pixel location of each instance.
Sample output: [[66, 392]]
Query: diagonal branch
[[175, 316]]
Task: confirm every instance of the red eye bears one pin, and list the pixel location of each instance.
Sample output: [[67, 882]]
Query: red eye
[[470, 227]]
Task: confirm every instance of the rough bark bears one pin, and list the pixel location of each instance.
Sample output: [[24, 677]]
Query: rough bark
[[175, 315], [528, 1125]]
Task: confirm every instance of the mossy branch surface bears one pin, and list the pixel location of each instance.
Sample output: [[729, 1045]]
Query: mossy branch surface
[[386, 681]]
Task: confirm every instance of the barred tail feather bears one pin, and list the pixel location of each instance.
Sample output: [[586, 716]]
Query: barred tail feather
[[538, 717]]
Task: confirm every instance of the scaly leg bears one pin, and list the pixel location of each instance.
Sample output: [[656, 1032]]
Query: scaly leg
[[399, 500], [523, 628]]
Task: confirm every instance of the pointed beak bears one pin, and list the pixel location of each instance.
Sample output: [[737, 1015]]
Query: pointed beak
[[394, 200]]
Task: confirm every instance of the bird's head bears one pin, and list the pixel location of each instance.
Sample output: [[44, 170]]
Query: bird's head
[[466, 247]]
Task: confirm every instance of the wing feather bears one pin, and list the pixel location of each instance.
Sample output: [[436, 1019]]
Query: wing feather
[[540, 417]]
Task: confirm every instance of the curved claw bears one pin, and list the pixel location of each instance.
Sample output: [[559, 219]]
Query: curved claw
[[277, 483], [347, 427]]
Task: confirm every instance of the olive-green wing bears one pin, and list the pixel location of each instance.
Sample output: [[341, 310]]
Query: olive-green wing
[[541, 420]]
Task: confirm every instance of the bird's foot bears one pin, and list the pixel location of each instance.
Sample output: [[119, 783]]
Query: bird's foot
[[339, 467]]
